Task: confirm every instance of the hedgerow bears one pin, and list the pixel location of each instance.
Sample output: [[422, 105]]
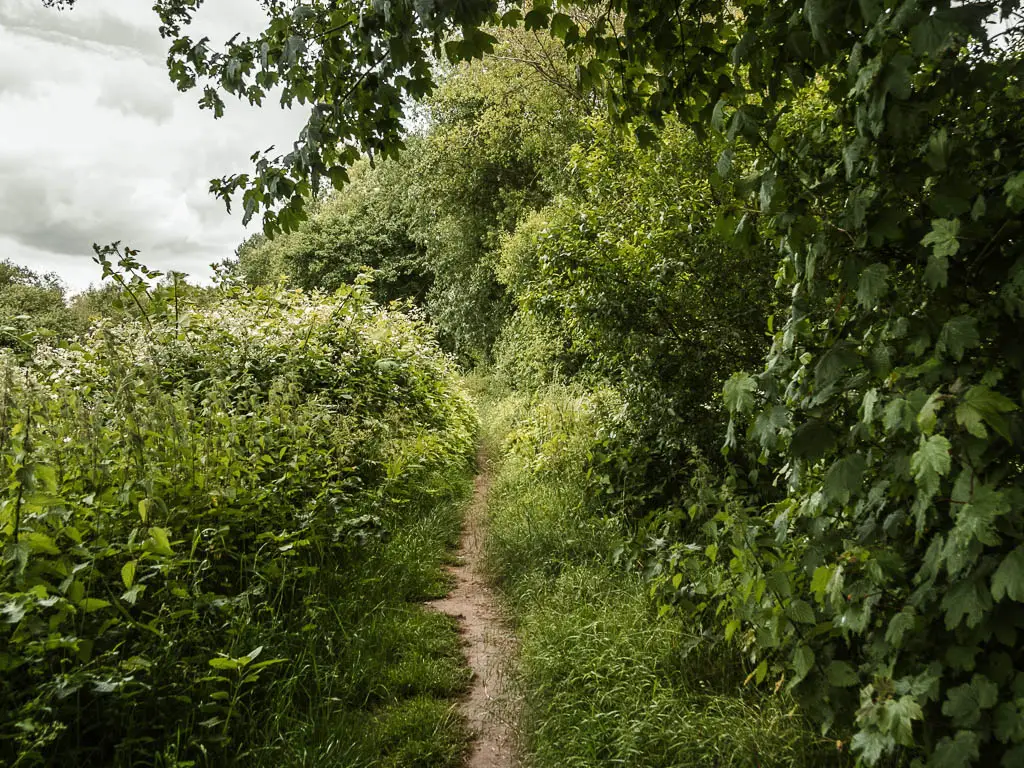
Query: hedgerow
[[187, 498]]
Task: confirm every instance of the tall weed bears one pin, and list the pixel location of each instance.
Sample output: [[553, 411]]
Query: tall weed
[[206, 519]]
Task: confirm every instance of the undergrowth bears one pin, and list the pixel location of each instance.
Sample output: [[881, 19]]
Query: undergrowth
[[216, 532], [604, 680]]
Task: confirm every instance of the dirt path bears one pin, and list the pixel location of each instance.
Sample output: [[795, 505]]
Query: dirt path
[[489, 706]]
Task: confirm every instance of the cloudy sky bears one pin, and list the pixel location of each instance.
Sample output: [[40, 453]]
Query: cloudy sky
[[97, 145]]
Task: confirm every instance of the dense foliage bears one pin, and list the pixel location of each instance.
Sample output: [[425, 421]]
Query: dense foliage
[[862, 543], [32, 307], [430, 224], [361, 231], [499, 134], [629, 278], [190, 503], [605, 681], [872, 565]]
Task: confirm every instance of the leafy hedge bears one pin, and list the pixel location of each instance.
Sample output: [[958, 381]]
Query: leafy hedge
[[182, 499], [867, 548], [627, 279]]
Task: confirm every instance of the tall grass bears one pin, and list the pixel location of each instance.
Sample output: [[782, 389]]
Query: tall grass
[[375, 683], [604, 680]]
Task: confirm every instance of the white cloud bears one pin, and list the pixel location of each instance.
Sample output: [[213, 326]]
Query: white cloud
[[99, 145]]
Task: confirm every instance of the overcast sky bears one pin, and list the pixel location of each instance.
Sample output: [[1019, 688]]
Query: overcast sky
[[97, 145]]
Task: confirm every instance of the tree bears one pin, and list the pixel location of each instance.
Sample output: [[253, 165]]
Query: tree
[[495, 148], [364, 226], [357, 66], [31, 303], [631, 279]]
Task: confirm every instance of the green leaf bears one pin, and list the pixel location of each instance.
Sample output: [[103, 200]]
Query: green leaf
[[128, 574], [958, 335], [817, 15], [938, 150], [267, 663], [844, 477], [975, 509], [852, 153], [730, 628], [873, 285], [40, 543], [1014, 192], [897, 78], [930, 462], [971, 419], [91, 604], [820, 581], [767, 191], [841, 674], [511, 18], [803, 661], [761, 672], [537, 18], [899, 625], [1008, 580], [965, 703], [944, 242], [980, 404], [1009, 723], [958, 752], [767, 425], [897, 717], [965, 600], [898, 415], [927, 417], [561, 25], [812, 440], [937, 271], [221, 662], [801, 612], [868, 406], [158, 542], [839, 359], [931, 36], [46, 477], [870, 745], [738, 393], [132, 595], [987, 401], [724, 164], [718, 115]]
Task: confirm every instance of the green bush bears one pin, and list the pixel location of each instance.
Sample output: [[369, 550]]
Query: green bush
[[498, 142], [627, 280], [604, 680], [198, 518], [32, 307], [361, 228]]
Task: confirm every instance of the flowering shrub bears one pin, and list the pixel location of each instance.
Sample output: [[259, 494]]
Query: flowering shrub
[[179, 493]]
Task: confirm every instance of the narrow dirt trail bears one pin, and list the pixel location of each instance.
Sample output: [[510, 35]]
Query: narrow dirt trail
[[489, 705]]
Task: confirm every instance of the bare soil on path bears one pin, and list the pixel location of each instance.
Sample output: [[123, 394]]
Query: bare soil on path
[[489, 706]]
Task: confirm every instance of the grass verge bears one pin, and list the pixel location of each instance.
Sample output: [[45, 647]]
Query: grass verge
[[604, 681], [379, 681]]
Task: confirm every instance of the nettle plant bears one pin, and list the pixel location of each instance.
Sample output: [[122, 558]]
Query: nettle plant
[[183, 490]]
